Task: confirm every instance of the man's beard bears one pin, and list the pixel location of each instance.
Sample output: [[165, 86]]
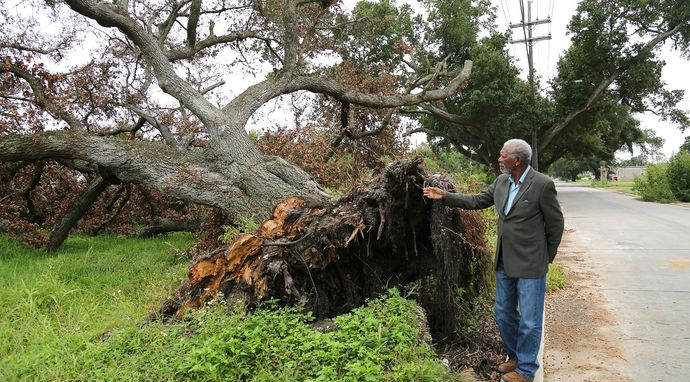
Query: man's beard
[[504, 169]]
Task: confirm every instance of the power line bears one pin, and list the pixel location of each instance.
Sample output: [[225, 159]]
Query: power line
[[524, 30], [506, 9], [503, 8]]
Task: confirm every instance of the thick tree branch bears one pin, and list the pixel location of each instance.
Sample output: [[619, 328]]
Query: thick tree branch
[[192, 22], [165, 27], [290, 37], [109, 16], [346, 132], [76, 212], [343, 94], [240, 189], [551, 133], [166, 225], [163, 171]]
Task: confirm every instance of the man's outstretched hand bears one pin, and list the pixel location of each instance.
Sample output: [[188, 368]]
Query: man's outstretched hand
[[434, 193]]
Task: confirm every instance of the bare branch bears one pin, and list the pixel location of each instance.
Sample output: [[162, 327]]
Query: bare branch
[[115, 198], [429, 132], [165, 27], [346, 132], [211, 87], [212, 40], [163, 129], [16, 98], [449, 117], [410, 64], [32, 49], [125, 129]]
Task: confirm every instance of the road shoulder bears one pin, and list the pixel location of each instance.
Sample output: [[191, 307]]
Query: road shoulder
[[582, 342]]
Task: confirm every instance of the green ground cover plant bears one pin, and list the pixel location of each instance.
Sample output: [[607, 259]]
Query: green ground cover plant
[[78, 314]]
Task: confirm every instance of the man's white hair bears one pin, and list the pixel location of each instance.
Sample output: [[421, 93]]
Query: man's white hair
[[519, 148]]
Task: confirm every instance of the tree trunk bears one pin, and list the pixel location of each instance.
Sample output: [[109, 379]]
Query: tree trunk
[[241, 189], [166, 226], [61, 230], [330, 257]]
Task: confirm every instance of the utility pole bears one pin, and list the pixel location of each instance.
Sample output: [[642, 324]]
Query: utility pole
[[529, 43]]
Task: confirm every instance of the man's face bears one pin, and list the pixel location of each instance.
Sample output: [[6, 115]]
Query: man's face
[[507, 162]]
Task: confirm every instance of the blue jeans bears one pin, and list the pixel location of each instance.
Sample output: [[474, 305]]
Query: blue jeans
[[519, 314]]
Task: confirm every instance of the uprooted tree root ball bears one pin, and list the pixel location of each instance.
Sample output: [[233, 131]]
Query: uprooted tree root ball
[[330, 257]]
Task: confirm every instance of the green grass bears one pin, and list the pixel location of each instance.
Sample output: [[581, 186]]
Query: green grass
[[77, 315], [555, 279], [53, 304], [625, 187]]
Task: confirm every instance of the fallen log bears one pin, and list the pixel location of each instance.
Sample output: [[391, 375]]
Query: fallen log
[[330, 257]]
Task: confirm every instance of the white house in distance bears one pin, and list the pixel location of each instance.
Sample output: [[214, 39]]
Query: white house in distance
[[628, 174]]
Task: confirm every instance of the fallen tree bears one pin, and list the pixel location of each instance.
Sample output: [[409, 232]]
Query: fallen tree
[[329, 257], [152, 107]]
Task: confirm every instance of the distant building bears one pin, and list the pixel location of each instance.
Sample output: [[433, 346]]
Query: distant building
[[628, 174]]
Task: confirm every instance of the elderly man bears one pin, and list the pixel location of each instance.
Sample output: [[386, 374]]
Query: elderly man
[[530, 226]]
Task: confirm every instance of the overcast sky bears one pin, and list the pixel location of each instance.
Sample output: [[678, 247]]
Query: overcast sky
[[546, 55]]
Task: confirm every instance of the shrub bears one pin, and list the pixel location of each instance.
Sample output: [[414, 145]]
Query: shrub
[[654, 186], [380, 342], [679, 176], [242, 225]]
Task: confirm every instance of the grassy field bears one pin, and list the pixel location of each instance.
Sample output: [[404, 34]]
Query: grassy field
[[77, 314], [53, 304], [625, 187]]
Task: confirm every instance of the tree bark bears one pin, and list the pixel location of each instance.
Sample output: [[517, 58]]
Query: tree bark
[[243, 190], [128, 191], [61, 230], [166, 226], [330, 257]]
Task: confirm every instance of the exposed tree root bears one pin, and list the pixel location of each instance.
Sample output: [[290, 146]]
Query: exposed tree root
[[330, 257]]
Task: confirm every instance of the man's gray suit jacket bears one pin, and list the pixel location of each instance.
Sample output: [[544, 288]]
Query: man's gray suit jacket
[[531, 232]]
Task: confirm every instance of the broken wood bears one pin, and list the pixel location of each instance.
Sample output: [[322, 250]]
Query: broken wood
[[329, 257]]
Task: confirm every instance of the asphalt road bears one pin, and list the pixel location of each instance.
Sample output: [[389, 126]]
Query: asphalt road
[[640, 252]]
